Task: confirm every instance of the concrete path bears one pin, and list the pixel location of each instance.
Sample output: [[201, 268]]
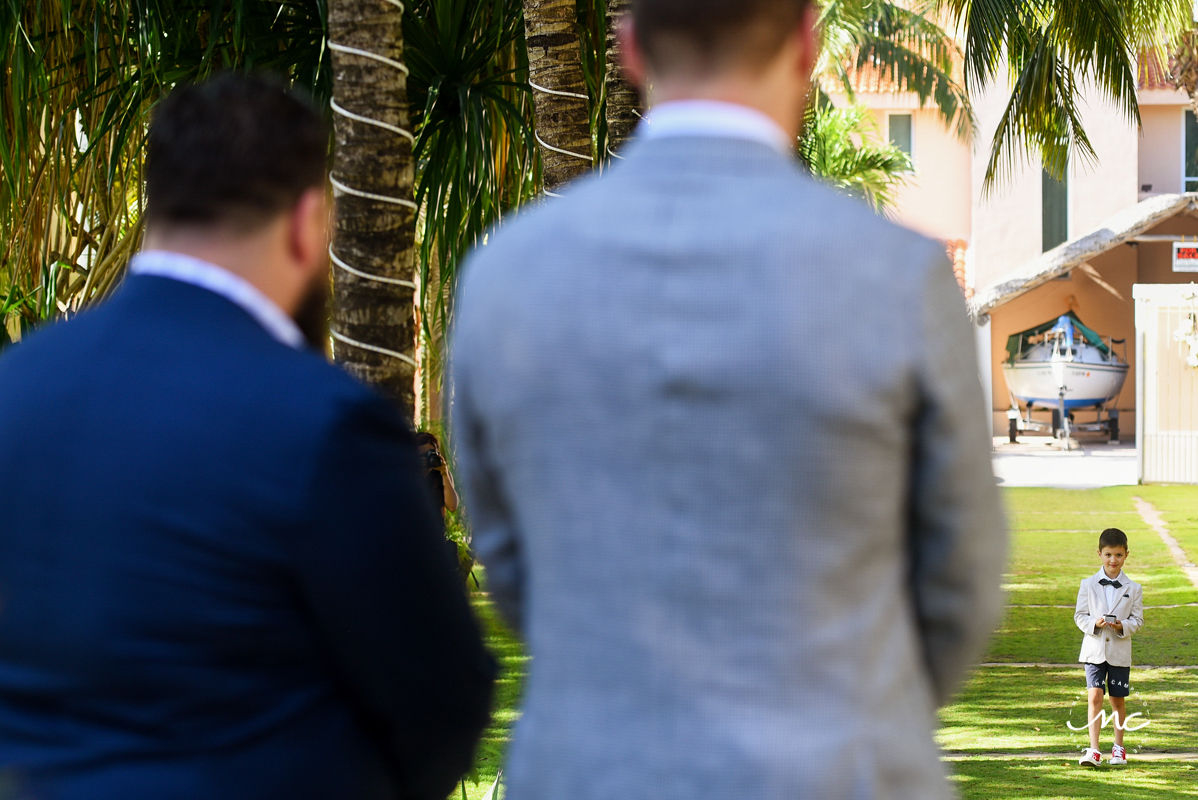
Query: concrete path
[[1039, 461], [1150, 515]]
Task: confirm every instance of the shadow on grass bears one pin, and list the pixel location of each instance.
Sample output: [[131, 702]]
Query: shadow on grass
[[990, 779]]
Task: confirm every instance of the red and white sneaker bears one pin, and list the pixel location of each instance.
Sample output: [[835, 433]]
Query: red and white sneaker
[[1118, 754], [1090, 758]]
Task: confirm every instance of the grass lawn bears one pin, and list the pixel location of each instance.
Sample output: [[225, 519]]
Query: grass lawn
[[1007, 734], [513, 663]]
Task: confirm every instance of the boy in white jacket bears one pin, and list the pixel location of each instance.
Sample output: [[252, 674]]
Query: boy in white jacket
[[1110, 608]]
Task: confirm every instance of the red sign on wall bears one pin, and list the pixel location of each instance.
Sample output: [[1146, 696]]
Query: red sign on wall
[[1185, 256]]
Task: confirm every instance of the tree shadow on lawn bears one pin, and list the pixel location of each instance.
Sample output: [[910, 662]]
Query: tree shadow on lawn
[[1051, 779], [1030, 710]]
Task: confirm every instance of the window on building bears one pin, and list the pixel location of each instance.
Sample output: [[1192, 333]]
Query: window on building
[[1054, 210], [900, 132], [1190, 180]]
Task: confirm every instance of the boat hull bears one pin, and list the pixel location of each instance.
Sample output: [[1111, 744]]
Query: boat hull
[[1086, 385]]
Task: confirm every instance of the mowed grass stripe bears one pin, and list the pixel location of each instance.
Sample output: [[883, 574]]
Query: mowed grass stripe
[[1169, 637], [1013, 709], [1045, 568], [1112, 499], [993, 779]]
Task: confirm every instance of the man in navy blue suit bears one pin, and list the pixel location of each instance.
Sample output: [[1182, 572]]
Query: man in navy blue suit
[[220, 573]]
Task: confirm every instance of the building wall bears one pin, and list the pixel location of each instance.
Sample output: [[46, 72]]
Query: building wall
[[1112, 183], [1160, 149], [935, 198], [1007, 220]]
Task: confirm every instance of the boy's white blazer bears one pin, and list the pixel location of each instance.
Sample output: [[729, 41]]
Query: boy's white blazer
[[1106, 644]]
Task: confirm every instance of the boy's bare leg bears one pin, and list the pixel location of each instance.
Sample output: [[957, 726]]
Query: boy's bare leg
[[1095, 714], [1119, 706]]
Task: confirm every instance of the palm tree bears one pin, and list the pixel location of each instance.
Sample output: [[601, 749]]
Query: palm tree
[[870, 43], [838, 148], [374, 246], [623, 102], [1183, 65], [559, 86], [474, 150], [81, 80], [1051, 50]]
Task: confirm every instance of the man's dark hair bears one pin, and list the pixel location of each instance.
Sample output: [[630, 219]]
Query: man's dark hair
[[1112, 537], [232, 151], [703, 36]]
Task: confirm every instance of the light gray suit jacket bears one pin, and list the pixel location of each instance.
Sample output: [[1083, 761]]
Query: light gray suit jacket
[[722, 446], [1107, 644]]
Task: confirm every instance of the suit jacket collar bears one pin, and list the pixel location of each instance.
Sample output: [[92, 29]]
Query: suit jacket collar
[[216, 279]]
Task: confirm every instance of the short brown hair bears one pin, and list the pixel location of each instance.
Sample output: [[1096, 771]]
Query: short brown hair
[[1112, 537], [704, 36]]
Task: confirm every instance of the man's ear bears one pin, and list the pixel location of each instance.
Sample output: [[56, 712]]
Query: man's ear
[[308, 228], [632, 57]]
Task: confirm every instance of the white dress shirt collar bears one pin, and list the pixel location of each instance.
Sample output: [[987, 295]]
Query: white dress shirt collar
[[1110, 593], [235, 289], [716, 119]]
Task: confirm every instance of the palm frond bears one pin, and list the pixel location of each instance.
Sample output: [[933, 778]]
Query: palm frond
[[898, 45], [83, 79], [1053, 51], [841, 146], [474, 146]]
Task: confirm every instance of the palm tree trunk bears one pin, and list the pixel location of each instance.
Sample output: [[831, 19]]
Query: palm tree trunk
[[563, 117], [1183, 66], [623, 101], [374, 249]]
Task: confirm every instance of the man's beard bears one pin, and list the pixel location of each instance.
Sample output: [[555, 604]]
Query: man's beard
[[312, 315]]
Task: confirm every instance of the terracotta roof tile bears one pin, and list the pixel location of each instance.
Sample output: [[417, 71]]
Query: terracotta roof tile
[[957, 249], [1153, 71]]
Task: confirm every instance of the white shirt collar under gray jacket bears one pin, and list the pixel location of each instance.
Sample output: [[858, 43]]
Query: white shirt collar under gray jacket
[[234, 288], [713, 118]]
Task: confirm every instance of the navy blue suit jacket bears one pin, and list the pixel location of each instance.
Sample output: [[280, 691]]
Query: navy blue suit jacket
[[220, 572]]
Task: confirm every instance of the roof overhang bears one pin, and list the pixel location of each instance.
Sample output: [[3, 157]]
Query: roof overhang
[[1121, 228]]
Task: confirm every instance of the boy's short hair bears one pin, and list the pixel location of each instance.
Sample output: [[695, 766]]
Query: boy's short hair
[[1112, 537]]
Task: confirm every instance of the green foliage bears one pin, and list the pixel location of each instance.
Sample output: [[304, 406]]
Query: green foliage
[[1050, 51], [83, 78], [513, 666], [900, 44], [839, 146], [474, 140]]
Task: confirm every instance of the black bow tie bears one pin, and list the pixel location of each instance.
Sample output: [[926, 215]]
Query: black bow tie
[[1106, 582]]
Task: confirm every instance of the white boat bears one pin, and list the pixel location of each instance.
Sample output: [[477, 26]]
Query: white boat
[[1063, 366]]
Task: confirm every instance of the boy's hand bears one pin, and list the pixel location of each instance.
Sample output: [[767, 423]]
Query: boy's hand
[[1117, 626], [1101, 623]]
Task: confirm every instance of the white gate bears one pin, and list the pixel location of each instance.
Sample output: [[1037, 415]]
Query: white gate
[[1167, 382]]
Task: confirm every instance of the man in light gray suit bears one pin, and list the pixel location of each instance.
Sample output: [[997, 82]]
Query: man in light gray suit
[[721, 445]]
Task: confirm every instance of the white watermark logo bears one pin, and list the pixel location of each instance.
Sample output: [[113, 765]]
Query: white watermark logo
[[1103, 718]]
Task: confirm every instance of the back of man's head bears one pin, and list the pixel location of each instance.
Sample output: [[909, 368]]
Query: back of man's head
[[232, 152], [705, 37]]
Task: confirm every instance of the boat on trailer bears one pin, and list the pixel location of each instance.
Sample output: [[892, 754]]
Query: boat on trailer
[[1063, 367]]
